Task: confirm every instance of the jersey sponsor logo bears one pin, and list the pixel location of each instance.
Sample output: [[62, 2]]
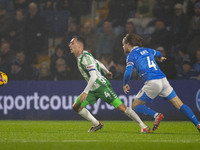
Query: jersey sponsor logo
[[198, 100], [89, 67]]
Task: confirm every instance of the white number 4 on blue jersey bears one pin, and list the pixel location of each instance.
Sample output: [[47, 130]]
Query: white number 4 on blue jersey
[[151, 63]]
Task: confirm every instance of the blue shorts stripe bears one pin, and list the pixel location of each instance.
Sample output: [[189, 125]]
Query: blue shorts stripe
[[171, 95], [145, 98]]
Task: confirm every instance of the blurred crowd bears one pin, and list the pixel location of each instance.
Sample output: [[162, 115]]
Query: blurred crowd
[[33, 28]]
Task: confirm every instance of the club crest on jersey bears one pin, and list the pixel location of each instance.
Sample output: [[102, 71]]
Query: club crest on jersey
[[198, 100]]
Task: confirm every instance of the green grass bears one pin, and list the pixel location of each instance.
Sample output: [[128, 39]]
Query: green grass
[[116, 135]]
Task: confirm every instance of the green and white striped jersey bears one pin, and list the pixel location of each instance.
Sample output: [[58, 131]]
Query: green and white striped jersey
[[86, 63]]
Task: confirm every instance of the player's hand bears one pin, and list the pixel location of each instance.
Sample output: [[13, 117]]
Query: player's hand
[[109, 75], [162, 59], [83, 97], [126, 88]]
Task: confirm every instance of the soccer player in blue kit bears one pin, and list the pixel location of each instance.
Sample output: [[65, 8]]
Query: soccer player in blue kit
[[156, 83]]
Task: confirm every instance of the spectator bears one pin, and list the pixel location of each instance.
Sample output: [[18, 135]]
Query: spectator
[[44, 72], [168, 66], [190, 8], [61, 18], [194, 32], [163, 10], [143, 15], [178, 55], [73, 30], [161, 36], [196, 66], [120, 69], [8, 4], [6, 21], [16, 39], [16, 72], [36, 32], [118, 51], [90, 37], [121, 10], [15, 35], [187, 71], [25, 64], [19, 20], [56, 14], [84, 8], [21, 4], [195, 22], [106, 40], [62, 5], [179, 24], [6, 56], [63, 72], [59, 53]]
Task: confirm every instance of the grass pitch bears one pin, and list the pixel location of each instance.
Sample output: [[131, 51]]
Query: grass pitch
[[116, 135]]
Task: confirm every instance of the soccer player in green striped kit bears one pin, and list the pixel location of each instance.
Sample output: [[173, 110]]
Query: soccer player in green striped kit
[[97, 87]]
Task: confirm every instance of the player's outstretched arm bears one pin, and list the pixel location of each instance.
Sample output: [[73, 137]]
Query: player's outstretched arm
[[159, 56], [162, 59]]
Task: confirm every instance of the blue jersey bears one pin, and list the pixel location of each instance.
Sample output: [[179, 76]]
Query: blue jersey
[[142, 59]]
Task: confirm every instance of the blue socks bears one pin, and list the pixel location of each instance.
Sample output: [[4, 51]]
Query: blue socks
[[189, 114], [145, 110], [184, 109]]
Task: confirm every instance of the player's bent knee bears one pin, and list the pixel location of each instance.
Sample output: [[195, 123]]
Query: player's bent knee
[[76, 107], [137, 102], [122, 108]]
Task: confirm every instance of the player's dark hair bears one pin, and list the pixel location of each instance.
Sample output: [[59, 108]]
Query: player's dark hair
[[133, 39], [80, 39]]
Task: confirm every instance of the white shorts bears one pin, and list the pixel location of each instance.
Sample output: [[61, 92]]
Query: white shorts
[[153, 88]]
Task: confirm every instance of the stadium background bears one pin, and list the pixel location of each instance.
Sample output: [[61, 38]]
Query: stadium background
[[34, 52]]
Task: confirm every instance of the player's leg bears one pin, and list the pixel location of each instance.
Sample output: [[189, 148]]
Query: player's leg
[[107, 94], [185, 110], [139, 107], [171, 96], [82, 111], [133, 116], [149, 91]]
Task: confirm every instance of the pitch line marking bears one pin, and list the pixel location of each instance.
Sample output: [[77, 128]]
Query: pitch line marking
[[98, 141]]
